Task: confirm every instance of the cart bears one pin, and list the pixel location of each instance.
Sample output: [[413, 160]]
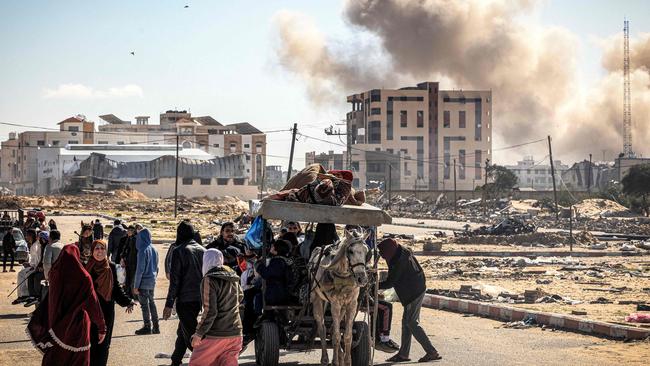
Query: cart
[[294, 327]]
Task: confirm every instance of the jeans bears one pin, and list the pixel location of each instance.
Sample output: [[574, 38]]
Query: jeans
[[149, 311], [187, 317], [411, 327]]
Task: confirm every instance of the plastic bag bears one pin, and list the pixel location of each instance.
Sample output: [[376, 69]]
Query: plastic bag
[[255, 234], [121, 274]]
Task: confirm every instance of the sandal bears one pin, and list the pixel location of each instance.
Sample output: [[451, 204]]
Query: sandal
[[398, 358], [430, 357]]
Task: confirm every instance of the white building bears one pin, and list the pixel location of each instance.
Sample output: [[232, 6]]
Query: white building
[[537, 175]]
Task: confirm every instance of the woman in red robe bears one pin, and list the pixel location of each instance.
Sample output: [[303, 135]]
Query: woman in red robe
[[60, 326]]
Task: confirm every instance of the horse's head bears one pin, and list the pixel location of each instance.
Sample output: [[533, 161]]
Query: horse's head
[[356, 253]]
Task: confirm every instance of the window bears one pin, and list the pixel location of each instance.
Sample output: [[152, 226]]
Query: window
[[247, 146], [120, 142], [376, 167], [205, 181], [188, 181], [73, 142], [258, 145], [390, 151], [403, 116], [73, 128], [13, 153], [375, 95], [355, 166], [40, 143], [102, 142], [374, 135], [461, 119], [239, 181], [248, 158], [233, 145], [222, 181], [88, 135], [406, 169], [55, 142], [446, 119], [375, 111], [420, 119], [215, 145], [461, 161]]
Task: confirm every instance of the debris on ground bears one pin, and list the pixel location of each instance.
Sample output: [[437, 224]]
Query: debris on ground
[[638, 318]]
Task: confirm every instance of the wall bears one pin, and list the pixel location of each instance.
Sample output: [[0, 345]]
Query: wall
[[165, 189]]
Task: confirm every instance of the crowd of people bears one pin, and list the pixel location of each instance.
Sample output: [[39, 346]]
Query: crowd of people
[[215, 289]]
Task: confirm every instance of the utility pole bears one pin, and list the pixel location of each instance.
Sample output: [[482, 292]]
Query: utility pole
[[455, 200], [390, 183], [176, 181], [589, 177], [484, 190], [550, 154], [293, 144], [348, 154]]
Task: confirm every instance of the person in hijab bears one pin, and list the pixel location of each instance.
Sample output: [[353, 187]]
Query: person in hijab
[[184, 287], [52, 224], [145, 281], [104, 275], [85, 243], [60, 325], [325, 235], [218, 336]]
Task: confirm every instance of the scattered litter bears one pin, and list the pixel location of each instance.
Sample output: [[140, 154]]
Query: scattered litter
[[601, 300], [578, 312], [598, 246], [642, 307], [526, 323], [540, 281], [638, 318]]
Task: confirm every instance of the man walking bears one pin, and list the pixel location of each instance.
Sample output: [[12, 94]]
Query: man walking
[[185, 277], [406, 276], [114, 238]]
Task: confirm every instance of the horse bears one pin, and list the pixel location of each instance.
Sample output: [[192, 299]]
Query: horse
[[340, 271]]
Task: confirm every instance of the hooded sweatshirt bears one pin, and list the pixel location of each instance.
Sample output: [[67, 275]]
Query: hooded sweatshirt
[[147, 268], [221, 295]]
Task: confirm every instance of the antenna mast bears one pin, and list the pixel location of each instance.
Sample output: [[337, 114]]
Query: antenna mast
[[627, 105]]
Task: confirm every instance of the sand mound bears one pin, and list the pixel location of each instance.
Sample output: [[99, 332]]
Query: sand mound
[[601, 207], [130, 194]]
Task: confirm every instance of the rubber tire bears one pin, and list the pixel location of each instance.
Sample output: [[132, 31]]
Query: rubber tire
[[267, 345], [361, 353]]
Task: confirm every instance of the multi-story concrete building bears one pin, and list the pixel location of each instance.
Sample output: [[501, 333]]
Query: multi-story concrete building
[[538, 175], [19, 157], [329, 161], [415, 134]]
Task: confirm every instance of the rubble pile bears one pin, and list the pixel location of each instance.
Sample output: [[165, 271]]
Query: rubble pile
[[601, 208], [537, 239]]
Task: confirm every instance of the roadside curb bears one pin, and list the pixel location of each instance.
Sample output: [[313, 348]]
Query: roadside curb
[[461, 253], [507, 313]]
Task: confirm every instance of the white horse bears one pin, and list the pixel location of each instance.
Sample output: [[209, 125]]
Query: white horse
[[340, 273]]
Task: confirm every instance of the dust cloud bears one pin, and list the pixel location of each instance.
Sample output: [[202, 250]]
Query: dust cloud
[[531, 69]]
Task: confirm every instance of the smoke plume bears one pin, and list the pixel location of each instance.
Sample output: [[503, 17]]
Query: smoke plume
[[476, 44]]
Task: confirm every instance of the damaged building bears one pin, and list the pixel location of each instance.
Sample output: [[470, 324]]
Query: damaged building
[[150, 169]]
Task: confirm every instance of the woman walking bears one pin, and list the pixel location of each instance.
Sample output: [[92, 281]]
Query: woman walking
[[218, 337], [104, 275], [60, 326]]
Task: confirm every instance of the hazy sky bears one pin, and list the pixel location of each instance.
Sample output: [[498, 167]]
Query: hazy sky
[[61, 58]]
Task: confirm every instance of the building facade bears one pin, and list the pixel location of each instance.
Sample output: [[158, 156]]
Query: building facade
[[329, 161], [416, 137], [19, 154], [537, 176]]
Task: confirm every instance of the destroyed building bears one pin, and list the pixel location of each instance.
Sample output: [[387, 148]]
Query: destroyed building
[[150, 169]]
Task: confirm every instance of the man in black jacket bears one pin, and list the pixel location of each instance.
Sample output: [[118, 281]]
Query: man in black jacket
[[406, 276], [228, 243], [114, 238], [185, 277]]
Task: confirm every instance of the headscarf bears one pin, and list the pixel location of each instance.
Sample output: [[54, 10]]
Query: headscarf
[[101, 273], [388, 248], [142, 240], [212, 258], [64, 318], [184, 232], [45, 236]]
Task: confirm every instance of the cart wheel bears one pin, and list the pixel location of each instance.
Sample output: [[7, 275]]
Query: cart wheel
[[361, 353], [267, 345]]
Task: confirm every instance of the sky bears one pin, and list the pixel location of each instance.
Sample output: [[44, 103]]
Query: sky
[[218, 58]]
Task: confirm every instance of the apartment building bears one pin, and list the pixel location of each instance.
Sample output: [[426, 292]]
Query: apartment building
[[330, 161], [417, 136], [537, 175]]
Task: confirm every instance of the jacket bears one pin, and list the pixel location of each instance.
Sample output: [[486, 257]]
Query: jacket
[[230, 250], [221, 296], [8, 242], [114, 238], [50, 255], [147, 267], [278, 276], [185, 273], [405, 275], [98, 231]]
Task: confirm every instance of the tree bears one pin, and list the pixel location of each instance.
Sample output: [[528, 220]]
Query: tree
[[637, 183], [503, 181]]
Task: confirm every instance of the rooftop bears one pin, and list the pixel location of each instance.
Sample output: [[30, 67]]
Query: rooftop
[[126, 153]]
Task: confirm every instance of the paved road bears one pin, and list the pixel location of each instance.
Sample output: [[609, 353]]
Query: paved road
[[461, 340]]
